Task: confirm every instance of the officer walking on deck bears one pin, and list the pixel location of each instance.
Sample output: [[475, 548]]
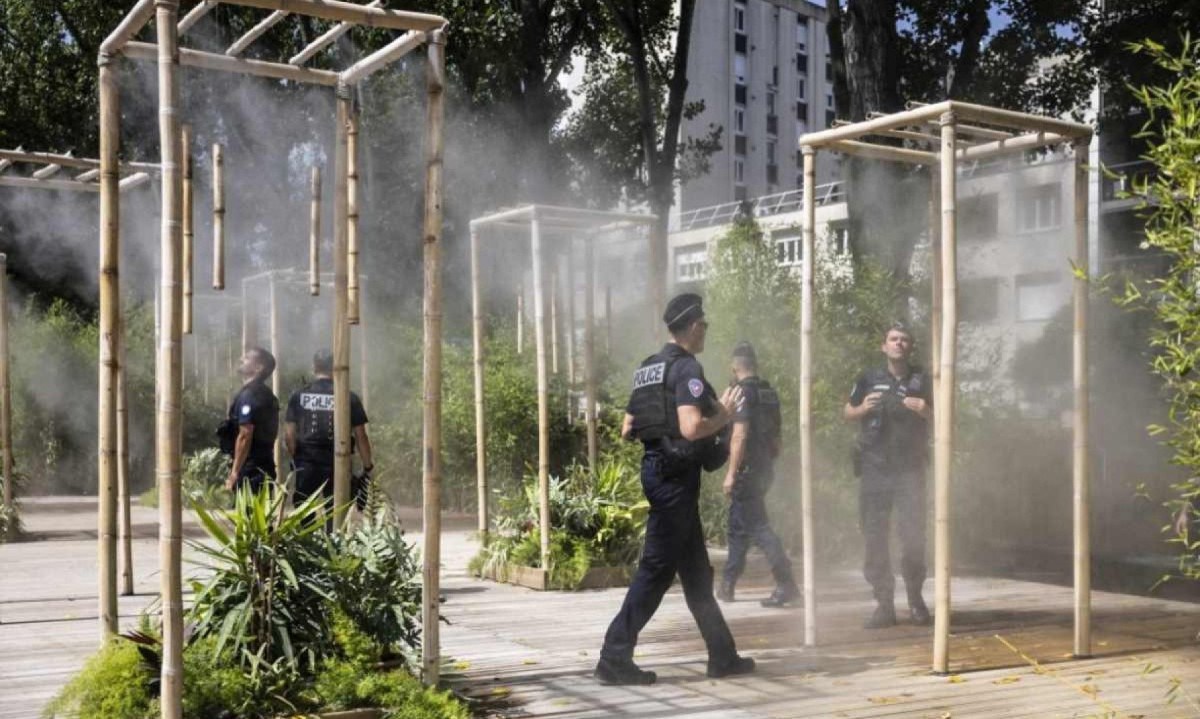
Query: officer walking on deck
[[308, 433], [753, 447], [677, 416], [893, 406]]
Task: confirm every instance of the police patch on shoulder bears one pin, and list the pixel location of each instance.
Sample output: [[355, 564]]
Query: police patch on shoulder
[[245, 409], [696, 387]]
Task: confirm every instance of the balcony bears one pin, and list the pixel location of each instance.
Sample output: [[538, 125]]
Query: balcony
[[1120, 179], [765, 206]]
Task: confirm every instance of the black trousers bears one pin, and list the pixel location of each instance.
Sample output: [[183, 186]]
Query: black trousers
[[255, 474], [885, 488], [313, 478], [749, 526], [674, 545]]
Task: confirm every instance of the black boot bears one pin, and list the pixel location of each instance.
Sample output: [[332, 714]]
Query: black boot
[[725, 591], [883, 616], [731, 668], [612, 671], [783, 595]]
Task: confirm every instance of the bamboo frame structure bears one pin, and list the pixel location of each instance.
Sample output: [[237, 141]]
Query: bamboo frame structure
[[314, 233], [6, 444], [966, 131], [352, 240], [589, 351], [542, 222], [218, 217], [189, 228], [420, 28]]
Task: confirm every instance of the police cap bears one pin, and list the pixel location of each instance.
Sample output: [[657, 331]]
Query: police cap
[[682, 310], [745, 349]]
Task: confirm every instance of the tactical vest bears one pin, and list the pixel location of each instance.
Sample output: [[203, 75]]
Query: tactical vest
[[765, 421], [892, 432], [315, 425], [652, 404]]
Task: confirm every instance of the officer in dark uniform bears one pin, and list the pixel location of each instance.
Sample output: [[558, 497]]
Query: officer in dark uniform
[[753, 446], [250, 430], [308, 433], [677, 416], [894, 406]]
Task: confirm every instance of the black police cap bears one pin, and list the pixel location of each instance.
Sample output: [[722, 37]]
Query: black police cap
[[745, 349], [683, 309]]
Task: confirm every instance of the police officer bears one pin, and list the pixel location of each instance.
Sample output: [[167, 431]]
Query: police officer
[[893, 406], [308, 433], [753, 446], [252, 425], [676, 414]]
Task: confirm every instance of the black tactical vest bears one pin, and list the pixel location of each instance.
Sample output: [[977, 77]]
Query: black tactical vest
[[315, 425], [892, 433], [652, 404], [765, 421]]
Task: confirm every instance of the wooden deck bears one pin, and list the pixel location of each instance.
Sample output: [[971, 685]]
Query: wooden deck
[[523, 653]]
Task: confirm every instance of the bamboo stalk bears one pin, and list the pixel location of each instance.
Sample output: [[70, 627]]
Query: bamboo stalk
[[553, 318], [520, 318], [218, 210], [364, 378], [46, 172], [382, 57], [110, 317], [6, 444], [569, 288], [481, 488], [882, 152], [185, 158], [129, 26], [314, 233], [808, 257], [327, 38], [245, 66], [193, 16], [168, 435], [1080, 473], [935, 300], [352, 217], [125, 522], [349, 12], [943, 417], [255, 32], [341, 326], [69, 185], [431, 466], [539, 330], [589, 348], [276, 381], [608, 320]]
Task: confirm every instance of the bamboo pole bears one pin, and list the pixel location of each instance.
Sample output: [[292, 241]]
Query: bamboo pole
[[808, 258], [364, 378], [349, 12], [480, 420], [352, 217], [6, 444], [543, 398], [569, 289], [431, 467], [589, 347], [341, 326], [245, 66], [520, 318], [218, 210], [168, 396], [943, 416], [110, 318], [276, 381], [382, 57], [608, 320], [1080, 474], [326, 39], [185, 158], [935, 300], [553, 318], [314, 233], [125, 521]]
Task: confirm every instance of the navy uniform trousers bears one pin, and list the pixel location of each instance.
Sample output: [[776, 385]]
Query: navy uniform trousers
[[674, 544], [885, 488], [749, 525]]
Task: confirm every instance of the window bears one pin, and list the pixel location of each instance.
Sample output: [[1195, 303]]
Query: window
[[771, 152], [788, 250], [690, 263], [739, 68], [979, 300], [978, 217], [839, 236], [1040, 295], [740, 43], [1039, 208], [829, 99], [801, 34], [772, 174], [739, 170], [830, 116], [770, 102], [775, 76], [739, 145], [772, 124], [801, 127], [739, 17], [802, 111], [801, 85], [828, 70], [739, 120], [739, 93], [801, 62]]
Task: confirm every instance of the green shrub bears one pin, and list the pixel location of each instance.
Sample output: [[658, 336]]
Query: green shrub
[[10, 522], [113, 684], [344, 684]]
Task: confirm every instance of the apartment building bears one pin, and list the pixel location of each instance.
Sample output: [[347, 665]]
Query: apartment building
[[762, 69]]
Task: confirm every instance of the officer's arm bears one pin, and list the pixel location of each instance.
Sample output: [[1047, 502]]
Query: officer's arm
[[737, 450], [289, 437], [241, 448], [693, 425], [363, 443], [627, 427]]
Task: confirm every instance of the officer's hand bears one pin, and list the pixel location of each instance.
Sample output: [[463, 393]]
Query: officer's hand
[[1183, 520], [231, 480], [727, 486], [731, 398], [916, 404]]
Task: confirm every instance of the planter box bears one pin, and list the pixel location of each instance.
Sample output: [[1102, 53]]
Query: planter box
[[538, 578]]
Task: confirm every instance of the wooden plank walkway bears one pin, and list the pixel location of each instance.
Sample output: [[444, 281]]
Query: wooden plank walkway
[[528, 654]]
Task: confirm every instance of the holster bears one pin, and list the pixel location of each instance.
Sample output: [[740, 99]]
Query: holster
[[227, 433]]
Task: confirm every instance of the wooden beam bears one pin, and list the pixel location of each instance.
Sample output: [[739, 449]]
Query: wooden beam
[[254, 33], [218, 221], [224, 63], [807, 255], [1020, 120], [382, 57], [5, 164], [46, 172], [135, 180], [1080, 468], [866, 127], [881, 152], [193, 16], [189, 232], [349, 12], [341, 327], [87, 175], [6, 443], [1007, 147], [481, 483], [324, 40], [130, 25], [352, 236], [314, 233], [49, 158], [70, 185]]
